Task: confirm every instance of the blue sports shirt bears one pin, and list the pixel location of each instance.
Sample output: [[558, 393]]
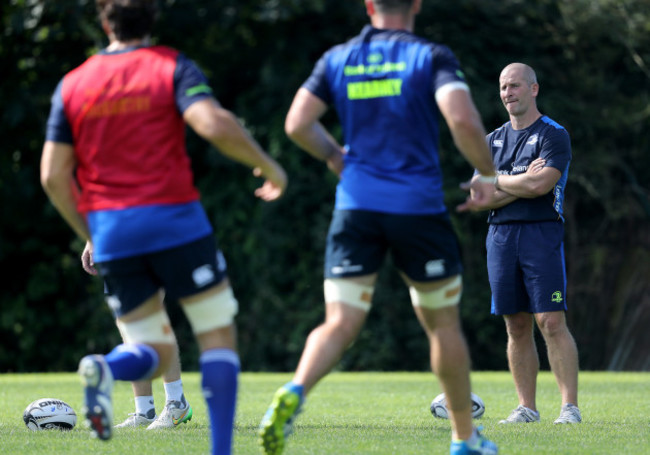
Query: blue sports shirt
[[382, 84], [514, 150]]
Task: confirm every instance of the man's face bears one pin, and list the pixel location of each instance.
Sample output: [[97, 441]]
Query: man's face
[[517, 96]]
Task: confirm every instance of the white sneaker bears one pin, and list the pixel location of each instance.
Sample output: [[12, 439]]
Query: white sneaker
[[97, 380], [522, 415], [569, 414], [137, 420], [175, 413]]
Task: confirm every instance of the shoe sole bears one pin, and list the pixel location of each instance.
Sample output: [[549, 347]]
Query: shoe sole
[[508, 422], [97, 403], [134, 425], [272, 436]]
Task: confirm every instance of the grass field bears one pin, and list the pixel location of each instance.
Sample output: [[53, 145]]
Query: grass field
[[350, 413]]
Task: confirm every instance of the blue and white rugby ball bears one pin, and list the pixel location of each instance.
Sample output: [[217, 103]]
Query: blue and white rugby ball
[[439, 407], [49, 414]]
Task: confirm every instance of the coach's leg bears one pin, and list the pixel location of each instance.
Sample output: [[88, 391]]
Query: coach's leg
[[438, 314], [522, 357], [348, 301], [562, 353]]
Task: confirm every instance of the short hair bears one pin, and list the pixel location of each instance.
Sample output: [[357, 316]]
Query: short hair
[[128, 19], [529, 75], [393, 6], [527, 72]]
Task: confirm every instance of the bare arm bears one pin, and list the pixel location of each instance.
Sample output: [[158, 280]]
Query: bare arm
[[57, 178], [303, 127], [220, 127], [466, 129], [468, 133], [531, 183]]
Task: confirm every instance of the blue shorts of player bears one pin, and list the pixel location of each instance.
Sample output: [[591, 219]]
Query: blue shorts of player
[[526, 267], [181, 271], [424, 247]]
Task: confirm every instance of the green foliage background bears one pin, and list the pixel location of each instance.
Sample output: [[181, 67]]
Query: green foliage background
[[592, 59]]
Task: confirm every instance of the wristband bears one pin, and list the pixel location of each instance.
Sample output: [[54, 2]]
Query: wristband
[[488, 179]]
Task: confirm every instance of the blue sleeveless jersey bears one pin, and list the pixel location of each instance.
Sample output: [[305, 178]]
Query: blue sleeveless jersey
[[514, 150], [382, 84]]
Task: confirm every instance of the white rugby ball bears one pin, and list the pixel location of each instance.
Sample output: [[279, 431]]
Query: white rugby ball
[[49, 414], [439, 406]]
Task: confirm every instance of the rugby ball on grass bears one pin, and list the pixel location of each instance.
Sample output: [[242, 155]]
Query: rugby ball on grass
[[439, 407], [49, 414]]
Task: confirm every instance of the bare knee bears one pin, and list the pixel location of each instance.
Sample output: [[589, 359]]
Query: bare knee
[[552, 324], [345, 328], [519, 326]]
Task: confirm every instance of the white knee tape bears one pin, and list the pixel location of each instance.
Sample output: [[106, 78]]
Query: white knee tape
[[447, 295], [216, 311], [152, 329], [348, 292]]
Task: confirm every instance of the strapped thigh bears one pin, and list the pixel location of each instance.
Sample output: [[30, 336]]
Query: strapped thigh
[[348, 292], [154, 328], [213, 312], [447, 295]]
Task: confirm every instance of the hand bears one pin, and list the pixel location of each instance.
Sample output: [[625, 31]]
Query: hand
[[480, 197], [274, 185], [335, 162], [87, 261], [536, 165]]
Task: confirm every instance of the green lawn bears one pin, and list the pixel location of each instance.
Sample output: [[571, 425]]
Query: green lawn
[[351, 413]]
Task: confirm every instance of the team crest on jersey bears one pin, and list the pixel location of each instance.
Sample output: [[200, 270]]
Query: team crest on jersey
[[375, 57], [533, 139], [498, 143]]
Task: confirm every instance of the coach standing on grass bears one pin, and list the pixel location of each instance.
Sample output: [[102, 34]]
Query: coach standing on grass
[[525, 249], [115, 166], [389, 88]]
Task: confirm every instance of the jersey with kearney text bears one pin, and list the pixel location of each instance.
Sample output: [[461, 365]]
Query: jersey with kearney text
[[121, 111], [514, 150], [382, 84]]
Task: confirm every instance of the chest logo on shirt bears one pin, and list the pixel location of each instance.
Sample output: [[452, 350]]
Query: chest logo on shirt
[[498, 142], [533, 139]]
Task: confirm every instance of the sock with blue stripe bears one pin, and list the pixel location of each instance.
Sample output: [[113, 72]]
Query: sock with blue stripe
[[220, 371]]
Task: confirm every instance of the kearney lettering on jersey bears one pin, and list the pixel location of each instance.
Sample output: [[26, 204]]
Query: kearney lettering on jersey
[[374, 89]]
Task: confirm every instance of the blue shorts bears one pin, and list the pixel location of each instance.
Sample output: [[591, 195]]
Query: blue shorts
[[180, 271], [526, 267], [423, 247]]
